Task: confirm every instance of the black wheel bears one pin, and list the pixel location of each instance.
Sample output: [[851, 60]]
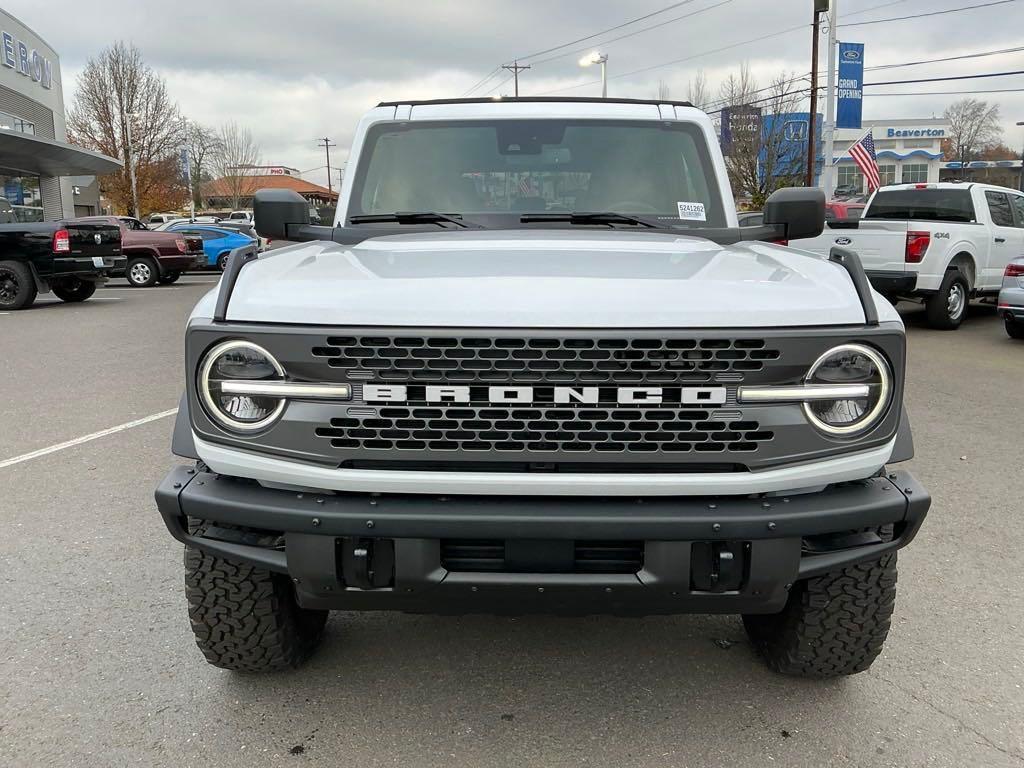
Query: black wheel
[[169, 277], [142, 272], [245, 618], [1014, 328], [73, 289], [17, 288], [222, 261], [947, 308], [832, 625]]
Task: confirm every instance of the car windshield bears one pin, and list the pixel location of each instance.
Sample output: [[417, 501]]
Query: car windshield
[[505, 168], [922, 205]]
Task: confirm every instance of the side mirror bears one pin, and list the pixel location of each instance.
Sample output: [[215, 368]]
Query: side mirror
[[801, 210], [274, 210]]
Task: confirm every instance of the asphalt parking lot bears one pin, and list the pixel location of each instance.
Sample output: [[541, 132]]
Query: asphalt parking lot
[[98, 666]]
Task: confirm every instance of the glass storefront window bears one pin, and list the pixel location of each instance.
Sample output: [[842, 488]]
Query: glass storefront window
[[9, 122], [915, 173], [22, 192], [850, 175], [887, 174]]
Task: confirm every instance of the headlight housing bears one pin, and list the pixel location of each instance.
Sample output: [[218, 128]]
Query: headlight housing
[[850, 364], [239, 361]]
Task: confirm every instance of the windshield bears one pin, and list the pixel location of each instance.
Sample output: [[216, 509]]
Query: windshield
[[506, 168], [922, 204]]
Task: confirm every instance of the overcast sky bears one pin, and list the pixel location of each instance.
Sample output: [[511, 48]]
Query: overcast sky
[[293, 71]]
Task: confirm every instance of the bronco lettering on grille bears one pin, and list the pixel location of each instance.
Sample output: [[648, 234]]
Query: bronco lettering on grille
[[401, 393]]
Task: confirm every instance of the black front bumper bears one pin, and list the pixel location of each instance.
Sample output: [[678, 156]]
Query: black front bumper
[[772, 542], [893, 283]]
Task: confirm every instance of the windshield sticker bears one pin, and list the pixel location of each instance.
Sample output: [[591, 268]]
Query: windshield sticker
[[692, 211]]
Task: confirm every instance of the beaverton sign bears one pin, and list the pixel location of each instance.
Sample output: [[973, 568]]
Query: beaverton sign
[[14, 54]]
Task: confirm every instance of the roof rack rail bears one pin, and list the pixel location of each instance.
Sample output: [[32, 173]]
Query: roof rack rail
[[535, 99]]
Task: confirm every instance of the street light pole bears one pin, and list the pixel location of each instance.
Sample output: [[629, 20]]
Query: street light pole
[[131, 162], [828, 169], [1021, 184], [602, 59]]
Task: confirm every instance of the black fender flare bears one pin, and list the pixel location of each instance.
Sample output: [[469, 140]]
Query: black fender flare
[[182, 441], [903, 450]]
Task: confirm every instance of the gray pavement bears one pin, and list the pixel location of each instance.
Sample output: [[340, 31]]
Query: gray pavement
[[98, 667]]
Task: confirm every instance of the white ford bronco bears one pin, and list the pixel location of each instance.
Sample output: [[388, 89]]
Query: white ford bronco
[[536, 366]]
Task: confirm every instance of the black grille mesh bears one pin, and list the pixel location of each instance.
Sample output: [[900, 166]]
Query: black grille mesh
[[475, 359], [538, 429]]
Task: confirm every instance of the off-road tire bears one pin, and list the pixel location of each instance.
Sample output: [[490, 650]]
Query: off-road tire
[[832, 625], [169, 277], [17, 287], [246, 618], [1014, 328], [73, 290], [937, 308], [142, 278]]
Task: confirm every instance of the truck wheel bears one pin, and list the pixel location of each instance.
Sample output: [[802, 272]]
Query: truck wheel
[[948, 307], [246, 618], [17, 288], [1014, 328], [73, 290], [169, 277], [142, 272], [832, 625]]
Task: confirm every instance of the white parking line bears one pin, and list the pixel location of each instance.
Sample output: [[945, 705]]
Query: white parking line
[[86, 438]]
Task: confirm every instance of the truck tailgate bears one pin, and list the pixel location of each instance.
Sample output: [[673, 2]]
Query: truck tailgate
[[93, 238], [881, 245]]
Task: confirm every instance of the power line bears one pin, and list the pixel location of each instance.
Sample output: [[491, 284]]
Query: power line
[[941, 79], [637, 32], [950, 93], [489, 76], [931, 13], [605, 31], [946, 58]]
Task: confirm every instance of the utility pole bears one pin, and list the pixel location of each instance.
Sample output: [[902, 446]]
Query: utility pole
[[828, 169], [1021, 185], [819, 7], [514, 67], [327, 147]]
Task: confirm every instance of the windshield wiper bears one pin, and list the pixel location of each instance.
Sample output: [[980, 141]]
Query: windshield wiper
[[596, 217], [414, 217]]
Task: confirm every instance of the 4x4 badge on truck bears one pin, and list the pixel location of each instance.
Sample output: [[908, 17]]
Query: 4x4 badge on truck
[[843, 241]]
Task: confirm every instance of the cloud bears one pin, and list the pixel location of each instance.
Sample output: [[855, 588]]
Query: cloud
[[294, 71]]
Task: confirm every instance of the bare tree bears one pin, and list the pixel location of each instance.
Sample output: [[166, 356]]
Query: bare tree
[[118, 91], [768, 156], [202, 144], [236, 151], [697, 90], [973, 128], [664, 93]]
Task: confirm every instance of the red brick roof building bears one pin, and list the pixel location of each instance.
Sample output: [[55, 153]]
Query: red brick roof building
[[220, 193]]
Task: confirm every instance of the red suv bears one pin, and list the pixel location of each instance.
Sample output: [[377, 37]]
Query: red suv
[[154, 257]]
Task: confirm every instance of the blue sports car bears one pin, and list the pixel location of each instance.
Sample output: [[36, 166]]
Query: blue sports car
[[218, 242]]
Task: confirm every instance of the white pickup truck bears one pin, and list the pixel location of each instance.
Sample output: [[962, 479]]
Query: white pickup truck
[[942, 243]]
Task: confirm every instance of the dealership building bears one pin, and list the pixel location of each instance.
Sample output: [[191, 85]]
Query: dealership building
[[36, 162], [907, 151]]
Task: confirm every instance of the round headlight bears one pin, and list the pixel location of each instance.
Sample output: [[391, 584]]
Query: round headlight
[[850, 364], [239, 362]]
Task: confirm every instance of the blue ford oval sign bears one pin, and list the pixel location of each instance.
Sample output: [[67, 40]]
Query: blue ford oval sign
[[851, 55]]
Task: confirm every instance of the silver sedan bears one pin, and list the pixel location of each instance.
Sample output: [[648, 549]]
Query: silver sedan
[[1011, 298]]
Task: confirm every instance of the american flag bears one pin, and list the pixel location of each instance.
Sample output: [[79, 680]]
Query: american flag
[[863, 154]]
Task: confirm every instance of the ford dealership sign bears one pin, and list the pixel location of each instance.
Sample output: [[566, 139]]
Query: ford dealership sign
[[14, 54]]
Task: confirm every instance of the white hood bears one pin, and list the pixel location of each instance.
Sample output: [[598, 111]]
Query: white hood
[[545, 279]]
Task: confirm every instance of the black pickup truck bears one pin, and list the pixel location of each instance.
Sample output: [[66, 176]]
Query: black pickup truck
[[69, 258]]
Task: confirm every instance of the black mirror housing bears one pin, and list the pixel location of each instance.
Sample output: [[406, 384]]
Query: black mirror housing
[[274, 210], [800, 210]]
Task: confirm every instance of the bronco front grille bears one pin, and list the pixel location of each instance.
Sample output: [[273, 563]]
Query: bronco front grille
[[542, 429], [551, 360]]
